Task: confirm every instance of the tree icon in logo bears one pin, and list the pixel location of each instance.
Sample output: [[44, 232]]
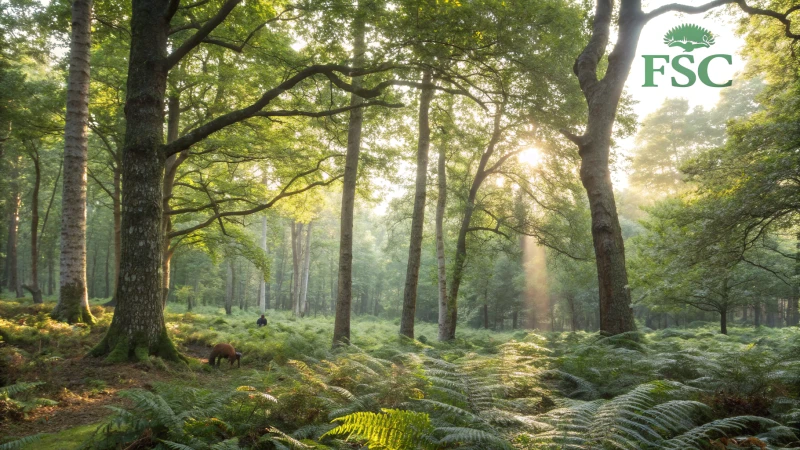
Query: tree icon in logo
[[689, 37]]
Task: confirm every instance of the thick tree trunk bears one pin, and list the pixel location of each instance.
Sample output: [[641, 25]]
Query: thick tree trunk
[[418, 217], [305, 272], [73, 301], [602, 97], [344, 296], [137, 329], [33, 287], [441, 272]]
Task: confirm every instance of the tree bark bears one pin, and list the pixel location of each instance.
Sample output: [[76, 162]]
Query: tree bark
[[263, 286], [602, 97], [137, 329], [116, 206], [305, 272], [33, 287], [297, 256], [418, 217], [230, 289], [73, 301], [12, 272], [109, 244], [344, 296], [441, 203], [281, 274]]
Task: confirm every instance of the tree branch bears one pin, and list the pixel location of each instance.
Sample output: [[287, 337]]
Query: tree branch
[[205, 130], [201, 34]]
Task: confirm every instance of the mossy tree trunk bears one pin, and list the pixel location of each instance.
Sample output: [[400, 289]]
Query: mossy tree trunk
[[137, 329], [73, 301]]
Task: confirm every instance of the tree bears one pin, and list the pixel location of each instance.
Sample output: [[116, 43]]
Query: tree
[[418, 215], [344, 296], [73, 301], [137, 329], [603, 97]]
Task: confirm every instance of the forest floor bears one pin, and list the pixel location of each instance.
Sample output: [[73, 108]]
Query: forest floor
[[751, 372]]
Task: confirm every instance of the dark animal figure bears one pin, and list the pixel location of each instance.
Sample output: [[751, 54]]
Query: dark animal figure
[[221, 351]]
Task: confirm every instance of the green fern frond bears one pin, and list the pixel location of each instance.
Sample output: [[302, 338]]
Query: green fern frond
[[698, 437], [22, 442], [175, 445], [19, 387], [393, 429], [458, 435]]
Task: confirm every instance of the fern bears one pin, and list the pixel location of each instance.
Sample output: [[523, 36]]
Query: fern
[[393, 429], [22, 442]]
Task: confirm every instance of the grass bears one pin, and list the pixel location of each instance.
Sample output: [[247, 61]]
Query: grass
[[67, 439]]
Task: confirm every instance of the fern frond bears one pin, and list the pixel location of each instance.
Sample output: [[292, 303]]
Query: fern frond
[[393, 429], [459, 435], [22, 442]]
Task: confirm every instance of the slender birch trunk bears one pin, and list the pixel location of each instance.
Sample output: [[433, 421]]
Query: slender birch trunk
[[73, 301]]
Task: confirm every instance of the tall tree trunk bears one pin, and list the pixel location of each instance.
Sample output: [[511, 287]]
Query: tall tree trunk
[[306, 269], [12, 260], [602, 97], [108, 261], [93, 277], [230, 290], [263, 286], [73, 301], [137, 329], [344, 296], [116, 206], [418, 217], [441, 203], [447, 330], [297, 256], [280, 275], [33, 287]]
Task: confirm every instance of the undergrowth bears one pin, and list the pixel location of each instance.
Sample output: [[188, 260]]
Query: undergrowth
[[675, 388]]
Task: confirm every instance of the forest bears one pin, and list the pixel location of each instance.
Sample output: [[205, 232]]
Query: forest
[[410, 224]]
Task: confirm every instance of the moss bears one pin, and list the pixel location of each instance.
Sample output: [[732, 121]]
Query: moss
[[69, 438], [117, 348], [70, 307]]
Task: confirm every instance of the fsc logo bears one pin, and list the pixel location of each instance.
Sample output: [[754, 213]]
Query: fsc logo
[[688, 37]]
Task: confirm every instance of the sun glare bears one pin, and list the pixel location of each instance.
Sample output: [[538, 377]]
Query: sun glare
[[530, 156]]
